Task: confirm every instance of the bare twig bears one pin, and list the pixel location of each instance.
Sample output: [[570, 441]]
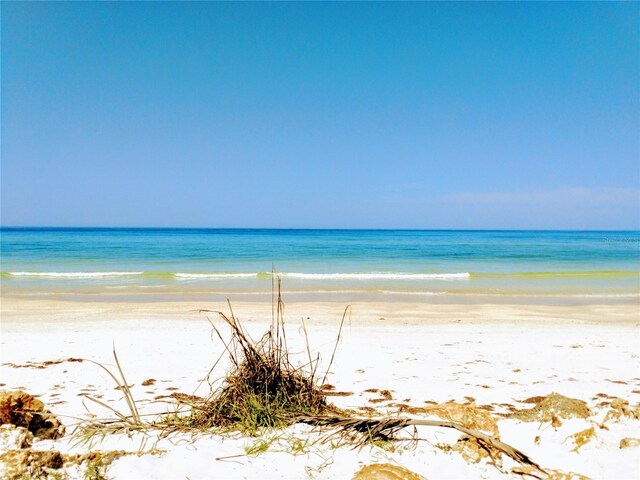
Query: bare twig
[[335, 347], [386, 427]]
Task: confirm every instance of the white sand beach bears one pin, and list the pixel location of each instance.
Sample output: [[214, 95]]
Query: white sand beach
[[489, 357]]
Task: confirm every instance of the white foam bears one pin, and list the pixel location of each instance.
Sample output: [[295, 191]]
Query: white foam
[[422, 294], [74, 274], [378, 276], [191, 276], [294, 275]]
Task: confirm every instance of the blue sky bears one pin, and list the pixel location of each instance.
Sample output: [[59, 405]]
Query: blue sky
[[346, 115]]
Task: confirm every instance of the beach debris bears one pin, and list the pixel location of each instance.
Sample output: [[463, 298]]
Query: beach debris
[[338, 394], [128, 387], [619, 408], [629, 442], [386, 471], [35, 464], [42, 365], [23, 410], [148, 381], [29, 463], [183, 398], [98, 457], [527, 471], [384, 429], [330, 391], [621, 405], [467, 414], [366, 410], [14, 438], [405, 408], [124, 422], [470, 416], [552, 408], [263, 388], [474, 450], [386, 394], [582, 437], [558, 475]]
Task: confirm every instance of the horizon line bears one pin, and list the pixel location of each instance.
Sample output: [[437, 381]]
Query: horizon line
[[97, 227]]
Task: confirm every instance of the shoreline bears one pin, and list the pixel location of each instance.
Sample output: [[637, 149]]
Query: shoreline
[[23, 310], [425, 300]]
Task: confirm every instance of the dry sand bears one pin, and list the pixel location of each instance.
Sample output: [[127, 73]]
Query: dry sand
[[493, 355]]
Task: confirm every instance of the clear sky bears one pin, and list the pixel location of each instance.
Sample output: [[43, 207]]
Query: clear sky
[[347, 115]]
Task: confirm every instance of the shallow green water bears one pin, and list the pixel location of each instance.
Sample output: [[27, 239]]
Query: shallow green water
[[382, 262]]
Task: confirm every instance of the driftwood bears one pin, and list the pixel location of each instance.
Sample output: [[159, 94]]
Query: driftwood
[[386, 427]]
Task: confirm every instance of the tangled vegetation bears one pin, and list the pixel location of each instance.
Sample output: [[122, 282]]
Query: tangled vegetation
[[263, 389]]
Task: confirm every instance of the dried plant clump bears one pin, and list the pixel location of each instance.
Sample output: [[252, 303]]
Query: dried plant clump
[[263, 388]]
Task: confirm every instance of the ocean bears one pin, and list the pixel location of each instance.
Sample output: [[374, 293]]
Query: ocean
[[422, 264]]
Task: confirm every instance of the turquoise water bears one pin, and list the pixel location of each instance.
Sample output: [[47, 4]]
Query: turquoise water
[[382, 261]]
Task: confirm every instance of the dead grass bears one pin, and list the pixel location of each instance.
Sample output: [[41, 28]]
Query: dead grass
[[263, 388]]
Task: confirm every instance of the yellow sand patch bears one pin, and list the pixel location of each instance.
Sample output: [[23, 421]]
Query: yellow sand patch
[[629, 442], [386, 471], [582, 438], [467, 414], [552, 408]]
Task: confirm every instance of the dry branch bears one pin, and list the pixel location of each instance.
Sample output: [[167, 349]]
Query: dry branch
[[387, 427]]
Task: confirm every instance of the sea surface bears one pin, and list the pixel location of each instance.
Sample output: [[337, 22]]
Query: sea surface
[[376, 263]]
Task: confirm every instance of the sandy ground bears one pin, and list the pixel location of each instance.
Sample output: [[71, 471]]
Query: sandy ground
[[493, 355]]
